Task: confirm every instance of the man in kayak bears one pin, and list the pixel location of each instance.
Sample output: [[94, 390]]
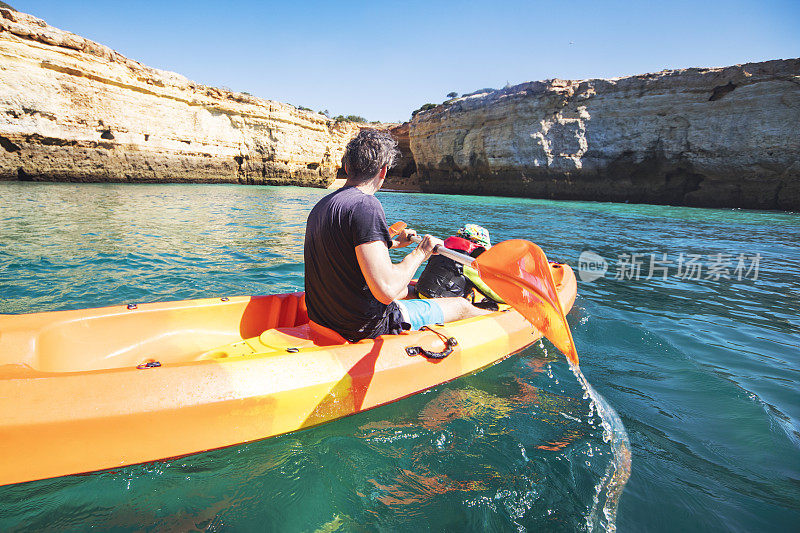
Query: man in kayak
[[352, 286]]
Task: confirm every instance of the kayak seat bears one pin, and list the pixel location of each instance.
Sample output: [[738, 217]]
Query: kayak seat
[[303, 336], [284, 338], [278, 341]]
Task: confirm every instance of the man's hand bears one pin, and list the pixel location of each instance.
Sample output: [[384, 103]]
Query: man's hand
[[429, 244], [404, 238]]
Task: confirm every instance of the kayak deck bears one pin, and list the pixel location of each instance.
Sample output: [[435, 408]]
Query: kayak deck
[[76, 394], [126, 336]]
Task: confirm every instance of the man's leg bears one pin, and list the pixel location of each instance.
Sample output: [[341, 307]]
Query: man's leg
[[456, 308], [420, 313]]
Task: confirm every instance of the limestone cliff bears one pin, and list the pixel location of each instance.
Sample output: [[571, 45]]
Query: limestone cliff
[[72, 109], [704, 137], [405, 166], [402, 177]]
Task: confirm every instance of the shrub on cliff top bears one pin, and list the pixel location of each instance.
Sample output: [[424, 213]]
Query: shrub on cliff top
[[3, 5], [349, 118], [424, 107], [480, 91]]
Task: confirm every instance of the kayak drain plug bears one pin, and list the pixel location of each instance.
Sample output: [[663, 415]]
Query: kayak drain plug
[[149, 364], [132, 306]]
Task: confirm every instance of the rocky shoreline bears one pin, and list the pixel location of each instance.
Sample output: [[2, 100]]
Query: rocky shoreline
[[74, 110]]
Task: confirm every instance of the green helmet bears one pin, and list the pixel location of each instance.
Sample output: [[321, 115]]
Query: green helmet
[[476, 234]]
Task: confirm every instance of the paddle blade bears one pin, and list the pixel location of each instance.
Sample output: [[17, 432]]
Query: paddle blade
[[519, 271], [396, 228]]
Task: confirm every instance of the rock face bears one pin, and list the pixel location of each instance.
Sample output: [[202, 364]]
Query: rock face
[[405, 166], [71, 109], [402, 176], [722, 137]]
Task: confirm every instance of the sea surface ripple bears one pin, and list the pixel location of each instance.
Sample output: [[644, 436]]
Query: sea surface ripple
[[704, 373]]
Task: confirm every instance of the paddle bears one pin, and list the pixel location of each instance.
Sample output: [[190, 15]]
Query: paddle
[[519, 272]]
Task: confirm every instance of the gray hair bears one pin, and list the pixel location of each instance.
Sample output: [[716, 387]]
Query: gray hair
[[368, 152]]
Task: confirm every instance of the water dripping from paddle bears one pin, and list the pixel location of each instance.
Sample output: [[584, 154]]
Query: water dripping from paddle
[[521, 274], [603, 513]]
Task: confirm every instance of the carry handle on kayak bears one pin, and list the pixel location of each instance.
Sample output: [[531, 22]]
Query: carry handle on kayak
[[449, 344]]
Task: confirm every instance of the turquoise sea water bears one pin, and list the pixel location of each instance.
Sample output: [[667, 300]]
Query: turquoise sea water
[[705, 373]]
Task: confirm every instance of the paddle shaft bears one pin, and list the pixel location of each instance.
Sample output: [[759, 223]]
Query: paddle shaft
[[458, 257]]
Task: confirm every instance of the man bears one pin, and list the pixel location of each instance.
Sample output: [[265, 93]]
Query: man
[[352, 286]]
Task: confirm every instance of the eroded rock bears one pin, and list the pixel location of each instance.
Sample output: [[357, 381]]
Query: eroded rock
[[723, 137], [73, 109]]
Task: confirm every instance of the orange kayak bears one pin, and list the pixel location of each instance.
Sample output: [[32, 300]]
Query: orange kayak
[[94, 389]]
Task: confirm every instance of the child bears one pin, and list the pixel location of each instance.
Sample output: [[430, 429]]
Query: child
[[444, 277]]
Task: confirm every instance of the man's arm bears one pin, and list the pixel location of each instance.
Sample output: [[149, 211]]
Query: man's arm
[[388, 281]]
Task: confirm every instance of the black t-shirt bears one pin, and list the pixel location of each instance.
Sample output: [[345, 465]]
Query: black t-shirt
[[337, 294]]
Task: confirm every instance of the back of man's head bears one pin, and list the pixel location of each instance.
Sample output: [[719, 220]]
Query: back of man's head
[[367, 153]]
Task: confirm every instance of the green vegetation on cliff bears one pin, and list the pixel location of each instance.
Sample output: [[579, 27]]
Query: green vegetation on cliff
[[349, 118], [424, 107]]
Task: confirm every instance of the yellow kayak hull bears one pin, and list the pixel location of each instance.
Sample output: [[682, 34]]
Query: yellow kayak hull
[[77, 394]]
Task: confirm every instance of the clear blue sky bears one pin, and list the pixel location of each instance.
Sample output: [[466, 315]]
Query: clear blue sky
[[382, 60]]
